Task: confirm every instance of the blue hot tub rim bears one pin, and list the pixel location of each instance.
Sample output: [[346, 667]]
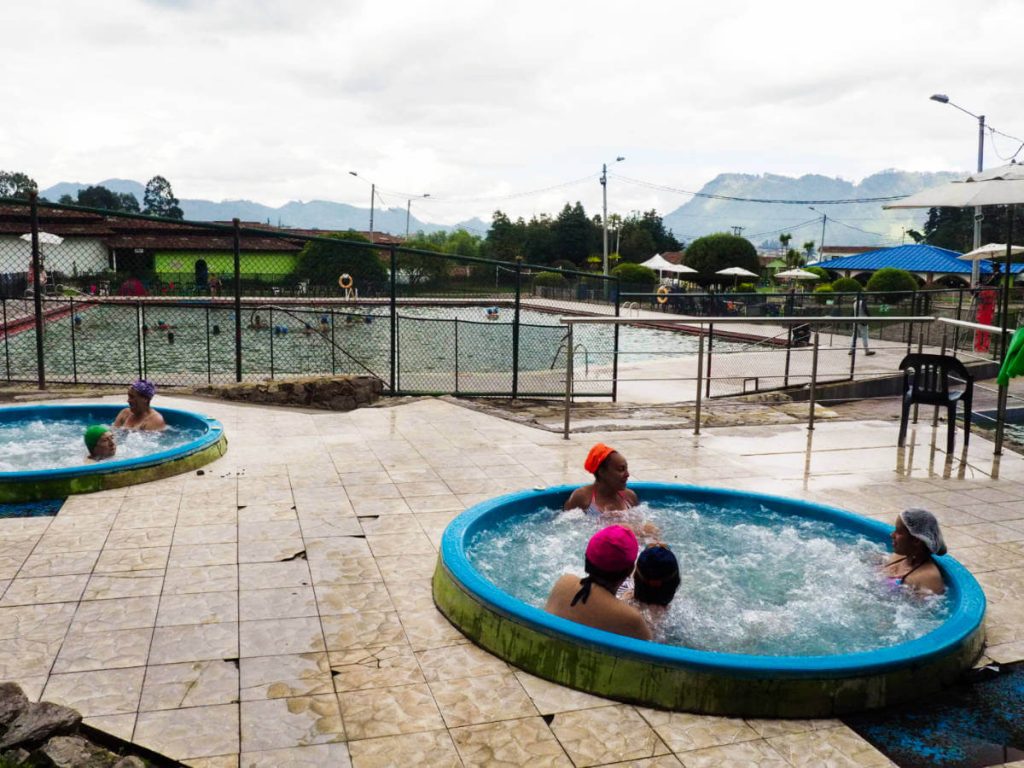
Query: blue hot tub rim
[[105, 414], [966, 618]]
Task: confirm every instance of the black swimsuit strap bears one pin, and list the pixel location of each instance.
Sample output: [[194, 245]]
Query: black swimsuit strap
[[584, 593], [903, 578]]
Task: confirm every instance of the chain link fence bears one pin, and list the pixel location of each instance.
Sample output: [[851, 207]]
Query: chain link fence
[[96, 297]]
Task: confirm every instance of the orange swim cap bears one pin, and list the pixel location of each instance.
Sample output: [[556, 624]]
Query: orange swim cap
[[597, 455]]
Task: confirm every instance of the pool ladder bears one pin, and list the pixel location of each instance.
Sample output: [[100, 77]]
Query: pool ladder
[[575, 350]]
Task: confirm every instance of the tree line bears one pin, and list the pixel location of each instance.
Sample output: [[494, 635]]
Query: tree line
[[158, 198], [573, 240]]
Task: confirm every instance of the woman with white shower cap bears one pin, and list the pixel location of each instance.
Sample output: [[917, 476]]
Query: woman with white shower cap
[[916, 539]]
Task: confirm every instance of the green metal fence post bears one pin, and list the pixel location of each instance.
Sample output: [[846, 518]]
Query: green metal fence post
[[37, 292], [209, 363], [456, 357], [138, 334], [617, 287], [238, 298], [515, 329], [394, 325], [7, 346], [74, 350], [272, 328]]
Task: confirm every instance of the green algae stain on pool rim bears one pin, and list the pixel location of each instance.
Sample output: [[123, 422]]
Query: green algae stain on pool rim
[[33, 485], [678, 678]]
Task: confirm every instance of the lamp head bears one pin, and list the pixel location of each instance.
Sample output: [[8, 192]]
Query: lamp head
[[940, 97], [352, 173], [619, 159]]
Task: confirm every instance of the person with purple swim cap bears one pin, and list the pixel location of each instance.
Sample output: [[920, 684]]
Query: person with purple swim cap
[[609, 560], [138, 414]]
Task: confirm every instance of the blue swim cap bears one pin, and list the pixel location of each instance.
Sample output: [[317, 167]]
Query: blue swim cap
[[323, 318]]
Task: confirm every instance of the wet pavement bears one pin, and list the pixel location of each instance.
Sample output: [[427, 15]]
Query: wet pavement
[[276, 610]]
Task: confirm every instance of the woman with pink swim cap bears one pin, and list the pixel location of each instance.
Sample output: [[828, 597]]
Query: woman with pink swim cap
[[609, 560]]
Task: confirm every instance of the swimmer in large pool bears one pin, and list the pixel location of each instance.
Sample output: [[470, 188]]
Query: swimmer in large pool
[[917, 537], [608, 492], [608, 562], [139, 415], [100, 442]]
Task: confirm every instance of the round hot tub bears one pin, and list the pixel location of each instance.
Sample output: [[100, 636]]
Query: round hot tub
[[826, 676], [42, 455]]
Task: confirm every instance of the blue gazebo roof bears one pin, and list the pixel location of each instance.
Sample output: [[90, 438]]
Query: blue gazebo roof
[[913, 258]]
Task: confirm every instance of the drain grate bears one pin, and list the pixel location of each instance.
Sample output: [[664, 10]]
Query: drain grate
[[978, 723]]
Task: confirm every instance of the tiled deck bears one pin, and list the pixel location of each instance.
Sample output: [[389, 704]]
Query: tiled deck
[[176, 614]]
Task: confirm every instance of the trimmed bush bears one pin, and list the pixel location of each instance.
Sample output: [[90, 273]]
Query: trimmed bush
[[745, 288], [892, 283], [634, 274], [820, 272], [711, 253], [549, 279], [822, 293], [846, 285]]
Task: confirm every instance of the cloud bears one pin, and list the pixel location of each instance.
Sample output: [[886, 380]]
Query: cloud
[[471, 100]]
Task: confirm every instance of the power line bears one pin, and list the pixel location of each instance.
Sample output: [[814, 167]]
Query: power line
[[850, 201], [497, 198]]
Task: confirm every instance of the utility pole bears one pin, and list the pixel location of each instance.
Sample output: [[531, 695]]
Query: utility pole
[[604, 214], [824, 219], [738, 231], [408, 210]]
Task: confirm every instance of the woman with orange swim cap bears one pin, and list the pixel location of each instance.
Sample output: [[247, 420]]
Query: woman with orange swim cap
[[608, 492]]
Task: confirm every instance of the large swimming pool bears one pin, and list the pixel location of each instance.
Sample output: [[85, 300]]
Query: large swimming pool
[[106, 344]]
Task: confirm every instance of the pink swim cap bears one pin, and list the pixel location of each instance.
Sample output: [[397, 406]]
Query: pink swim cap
[[613, 549]]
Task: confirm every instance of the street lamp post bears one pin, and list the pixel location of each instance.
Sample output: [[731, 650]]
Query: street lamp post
[[821, 245], [604, 212], [408, 210], [373, 195], [944, 99]]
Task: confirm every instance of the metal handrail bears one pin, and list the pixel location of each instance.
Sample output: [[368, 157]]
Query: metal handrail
[[814, 322], [575, 349]]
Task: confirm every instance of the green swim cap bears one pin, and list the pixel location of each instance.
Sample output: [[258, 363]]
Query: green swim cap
[[93, 435]]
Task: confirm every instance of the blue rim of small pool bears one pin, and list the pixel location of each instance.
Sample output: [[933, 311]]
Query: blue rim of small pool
[[963, 624], [87, 477]]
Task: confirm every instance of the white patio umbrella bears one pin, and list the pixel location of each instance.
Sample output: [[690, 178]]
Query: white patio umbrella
[[45, 238], [797, 274], [737, 272], [680, 269], [990, 251]]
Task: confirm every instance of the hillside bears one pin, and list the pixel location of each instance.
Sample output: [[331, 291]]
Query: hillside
[[315, 214], [853, 224]]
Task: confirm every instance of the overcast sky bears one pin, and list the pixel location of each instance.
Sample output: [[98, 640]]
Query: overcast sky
[[475, 101]]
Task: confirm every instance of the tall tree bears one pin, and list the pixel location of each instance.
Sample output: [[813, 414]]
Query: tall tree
[[505, 238], [160, 200], [784, 239], [573, 233], [101, 197], [808, 250], [16, 184], [643, 235]]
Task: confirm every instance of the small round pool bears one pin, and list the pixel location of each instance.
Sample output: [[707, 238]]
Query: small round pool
[[43, 457], [808, 682]]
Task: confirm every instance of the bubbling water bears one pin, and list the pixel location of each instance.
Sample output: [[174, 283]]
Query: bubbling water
[[52, 443], [753, 581]]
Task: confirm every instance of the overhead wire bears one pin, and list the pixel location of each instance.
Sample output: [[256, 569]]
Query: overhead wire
[[771, 201]]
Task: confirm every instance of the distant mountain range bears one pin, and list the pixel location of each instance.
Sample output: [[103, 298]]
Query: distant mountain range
[[762, 223], [850, 224], [316, 214]]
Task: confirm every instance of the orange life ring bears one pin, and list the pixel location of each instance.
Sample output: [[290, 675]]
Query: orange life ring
[[345, 281], [662, 294]]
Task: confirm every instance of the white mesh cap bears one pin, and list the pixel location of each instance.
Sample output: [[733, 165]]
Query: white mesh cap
[[922, 525]]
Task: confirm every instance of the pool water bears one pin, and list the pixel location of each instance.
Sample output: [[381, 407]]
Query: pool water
[[106, 346], [46, 508], [38, 444], [753, 581]]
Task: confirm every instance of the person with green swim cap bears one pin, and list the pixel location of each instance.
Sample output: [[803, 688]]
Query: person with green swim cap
[[100, 442]]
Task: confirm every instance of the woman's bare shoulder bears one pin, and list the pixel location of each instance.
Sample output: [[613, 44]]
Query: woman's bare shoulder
[[579, 499]]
